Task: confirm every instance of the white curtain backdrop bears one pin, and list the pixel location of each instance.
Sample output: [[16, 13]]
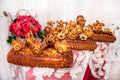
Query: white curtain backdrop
[[107, 11]]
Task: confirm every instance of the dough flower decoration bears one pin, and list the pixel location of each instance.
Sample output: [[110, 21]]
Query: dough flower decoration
[[61, 35], [49, 28], [97, 26], [83, 36], [62, 46], [18, 44], [28, 45], [108, 31]]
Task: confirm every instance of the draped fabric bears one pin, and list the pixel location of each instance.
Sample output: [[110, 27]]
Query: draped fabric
[[106, 11]]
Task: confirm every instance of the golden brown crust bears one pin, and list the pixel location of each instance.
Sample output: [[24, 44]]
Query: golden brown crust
[[18, 44], [103, 37], [61, 47], [78, 30], [43, 60], [80, 20], [55, 50], [82, 44], [49, 53], [49, 28], [97, 26]]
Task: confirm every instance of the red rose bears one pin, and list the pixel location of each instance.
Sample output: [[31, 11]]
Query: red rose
[[22, 24], [26, 29], [36, 29], [19, 33]]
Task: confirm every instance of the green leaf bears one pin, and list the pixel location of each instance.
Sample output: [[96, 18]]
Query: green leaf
[[9, 39], [41, 35]]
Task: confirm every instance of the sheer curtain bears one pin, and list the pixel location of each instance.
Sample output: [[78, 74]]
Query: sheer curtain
[[106, 11], [11, 6]]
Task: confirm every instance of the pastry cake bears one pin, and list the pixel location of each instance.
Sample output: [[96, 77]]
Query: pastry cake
[[47, 59], [31, 52], [75, 33], [82, 45], [102, 35], [78, 35], [55, 50]]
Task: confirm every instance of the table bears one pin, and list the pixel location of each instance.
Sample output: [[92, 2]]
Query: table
[[91, 62]]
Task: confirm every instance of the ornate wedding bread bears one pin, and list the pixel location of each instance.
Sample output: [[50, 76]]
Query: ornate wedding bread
[[31, 52], [75, 33], [56, 49], [78, 35], [102, 35]]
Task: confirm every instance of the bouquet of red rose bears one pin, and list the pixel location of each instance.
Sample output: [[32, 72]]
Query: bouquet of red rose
[[21, 25]]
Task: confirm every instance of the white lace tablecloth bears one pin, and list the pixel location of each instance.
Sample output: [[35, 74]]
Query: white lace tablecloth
[[95, 59]]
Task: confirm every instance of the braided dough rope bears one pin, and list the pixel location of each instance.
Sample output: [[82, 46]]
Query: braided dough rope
[[46, 59], [82, 45]]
